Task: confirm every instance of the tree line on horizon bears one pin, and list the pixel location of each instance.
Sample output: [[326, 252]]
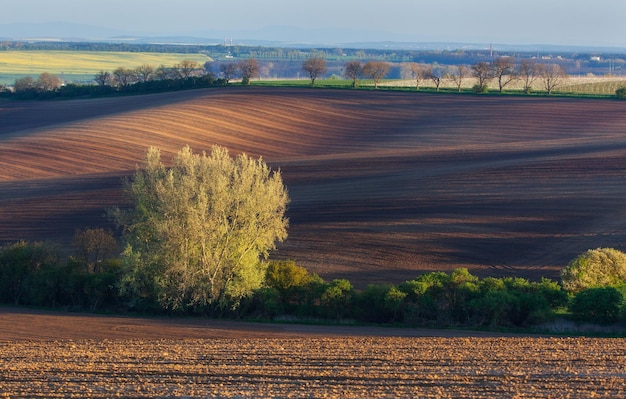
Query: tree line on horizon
[[189, 74]]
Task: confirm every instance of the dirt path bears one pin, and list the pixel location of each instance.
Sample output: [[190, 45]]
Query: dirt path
[[19, 324]]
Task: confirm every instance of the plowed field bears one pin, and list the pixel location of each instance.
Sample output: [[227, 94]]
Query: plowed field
[[384, 185], [58, 355]]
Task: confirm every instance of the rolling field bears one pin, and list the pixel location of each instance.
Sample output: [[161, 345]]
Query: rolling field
[[81, 65], [384, 186]]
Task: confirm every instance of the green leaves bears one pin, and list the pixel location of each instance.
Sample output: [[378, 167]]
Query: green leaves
[[207, 220], [595, 268]]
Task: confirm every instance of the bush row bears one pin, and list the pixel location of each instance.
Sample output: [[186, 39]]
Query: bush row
[[34, 274], [153, 86]]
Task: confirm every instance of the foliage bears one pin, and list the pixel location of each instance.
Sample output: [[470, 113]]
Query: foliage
[[33, 274], [22, 266], [552, 76], [284, 276], [595, 268], [621, 92], [93, 246], [198, 229], [314, 66], [478, 89], [337, 299], [248, 69], [598, 305], [376, 70], [353, 70]]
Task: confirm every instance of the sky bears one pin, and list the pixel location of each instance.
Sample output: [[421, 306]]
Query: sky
[[558, 22]]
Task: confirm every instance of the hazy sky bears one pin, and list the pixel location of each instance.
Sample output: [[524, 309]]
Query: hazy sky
[[576, 22]]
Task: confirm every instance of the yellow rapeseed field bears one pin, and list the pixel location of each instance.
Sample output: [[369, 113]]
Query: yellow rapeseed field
[[80, 63]]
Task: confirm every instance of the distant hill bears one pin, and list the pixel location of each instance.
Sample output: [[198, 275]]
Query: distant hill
[[272, 36]]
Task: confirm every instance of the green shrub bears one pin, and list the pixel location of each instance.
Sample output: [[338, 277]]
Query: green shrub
[[478, 89], [337, 299], [22, 266], [266, 303], [597, 305], [284, 275], [381, 304], [595, 268], [621, 92]]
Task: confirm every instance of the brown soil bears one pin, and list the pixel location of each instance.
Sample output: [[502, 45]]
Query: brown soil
[[54, 354], [384, 185], [51, 354]]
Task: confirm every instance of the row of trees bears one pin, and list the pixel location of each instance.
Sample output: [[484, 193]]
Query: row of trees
[[44, 83], [504, 70], [124, 77], [96, 278]]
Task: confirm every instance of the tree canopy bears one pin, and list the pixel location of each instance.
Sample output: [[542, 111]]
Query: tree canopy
[[314, 66], [595, 268], [198, 230]]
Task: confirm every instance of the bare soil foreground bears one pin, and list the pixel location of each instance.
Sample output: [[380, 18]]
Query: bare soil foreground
[[51, 354], [384, 185]]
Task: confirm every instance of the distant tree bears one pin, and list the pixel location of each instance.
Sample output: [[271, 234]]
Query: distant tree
[[457, 74], [595, 268], [528, 73], [103, 78], [376, 70], [48, 82], [93, 246], [552, 76], [187, 69], [145, 73], [199, 229], [24, 84], [418, 72], [166, 73], [436, 74], [504, 71], [353, 70], [124, 77], [314, 66], [249, 69], [229, 71], [483, 72]]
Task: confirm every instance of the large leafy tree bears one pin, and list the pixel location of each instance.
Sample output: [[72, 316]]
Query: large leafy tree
[[595, 268], [200, 228]]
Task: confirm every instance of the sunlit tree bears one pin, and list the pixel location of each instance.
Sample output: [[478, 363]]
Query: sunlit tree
[[200, 228]]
